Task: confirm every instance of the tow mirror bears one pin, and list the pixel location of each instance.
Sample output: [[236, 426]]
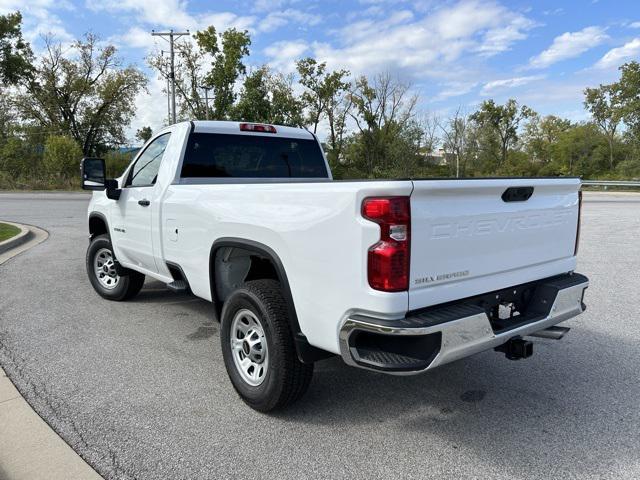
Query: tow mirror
[[93, 173], [94, 177]]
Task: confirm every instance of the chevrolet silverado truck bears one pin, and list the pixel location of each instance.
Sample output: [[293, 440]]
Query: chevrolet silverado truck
[[395, 276]]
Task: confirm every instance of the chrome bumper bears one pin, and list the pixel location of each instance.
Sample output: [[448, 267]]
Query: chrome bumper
[[462, 329]]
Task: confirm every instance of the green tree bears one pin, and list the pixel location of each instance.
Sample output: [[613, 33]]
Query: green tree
[[338, 110], [326, 95], [383, 110], [225, 54], [322, 89], [580, 150], [254, 104], [15, 53], [268, 98], [87, 94], [17, 158], [116, 162], [603, 105], [286, 108], [541, 135], [503, 121], [627, 93], [455, 141], [62, 156], [228, 51], [8, 121], [144, 133]]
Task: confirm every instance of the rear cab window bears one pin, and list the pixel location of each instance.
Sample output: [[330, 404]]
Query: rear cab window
[[217, 155]]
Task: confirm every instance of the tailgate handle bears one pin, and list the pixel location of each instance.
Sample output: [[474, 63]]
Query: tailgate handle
[[517, 194]]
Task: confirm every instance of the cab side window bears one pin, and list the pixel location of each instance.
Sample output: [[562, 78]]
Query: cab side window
[[145, 171]]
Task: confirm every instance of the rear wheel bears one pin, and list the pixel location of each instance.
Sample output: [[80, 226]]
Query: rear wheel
[[258, 347], [109, 282]]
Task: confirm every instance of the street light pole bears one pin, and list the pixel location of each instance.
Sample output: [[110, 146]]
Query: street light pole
[[172, 75]]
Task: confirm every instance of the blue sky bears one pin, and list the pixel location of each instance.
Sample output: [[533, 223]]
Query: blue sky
[[455, 53]]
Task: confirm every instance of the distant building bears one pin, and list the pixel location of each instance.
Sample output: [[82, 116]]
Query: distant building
[[438, 157]]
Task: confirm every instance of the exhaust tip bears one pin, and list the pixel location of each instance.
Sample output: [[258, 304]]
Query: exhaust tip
[[553, 333]]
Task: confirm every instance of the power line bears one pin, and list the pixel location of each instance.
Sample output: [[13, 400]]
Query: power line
[[171, 36]]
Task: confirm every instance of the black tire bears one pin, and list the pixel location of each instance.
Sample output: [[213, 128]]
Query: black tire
[[129, 282], [286, 378]]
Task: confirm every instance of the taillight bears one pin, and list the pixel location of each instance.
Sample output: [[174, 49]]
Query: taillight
[[388, 259], [257, 127], [575, 250]]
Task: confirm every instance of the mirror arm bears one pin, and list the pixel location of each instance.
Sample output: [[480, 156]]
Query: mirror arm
[[112, 190]]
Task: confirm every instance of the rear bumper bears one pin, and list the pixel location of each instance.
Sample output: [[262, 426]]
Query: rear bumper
[[424, 340]]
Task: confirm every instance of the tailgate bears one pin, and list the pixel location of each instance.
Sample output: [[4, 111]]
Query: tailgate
[[466, 240]]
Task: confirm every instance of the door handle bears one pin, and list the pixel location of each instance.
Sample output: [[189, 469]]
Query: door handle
[[144, 202]]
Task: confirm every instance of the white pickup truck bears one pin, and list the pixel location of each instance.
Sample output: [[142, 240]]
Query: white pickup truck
[[395, 276]]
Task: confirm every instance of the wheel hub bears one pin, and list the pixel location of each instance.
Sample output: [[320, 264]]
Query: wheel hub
[[105, 269], [249, 347]]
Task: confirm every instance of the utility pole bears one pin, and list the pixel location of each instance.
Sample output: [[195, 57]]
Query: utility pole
[[172, 75], [206, 101], [162, 52]]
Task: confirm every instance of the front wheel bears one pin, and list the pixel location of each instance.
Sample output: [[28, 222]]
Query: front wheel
[[103, 275], [258, 347]]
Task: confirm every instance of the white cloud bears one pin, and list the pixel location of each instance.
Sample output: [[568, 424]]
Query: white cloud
[[553, 12], [162, 13], [430, 45], [136, 37], [634, 25], [554, 95], [283, 54], [454, 89], [39, 19], [278, 19], [616, 56], [270, 5], [172, 14], [33, 6], [500, 39], [364, 29], [150, 108], [569, 45], [494, 86], [223, 21]]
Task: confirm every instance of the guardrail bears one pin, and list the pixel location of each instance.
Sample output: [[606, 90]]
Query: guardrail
[[612, 183]]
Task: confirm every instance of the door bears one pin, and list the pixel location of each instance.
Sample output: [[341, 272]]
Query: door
[[132, 212]]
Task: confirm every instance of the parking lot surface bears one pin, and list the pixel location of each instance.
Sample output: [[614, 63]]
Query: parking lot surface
[[140, 391]]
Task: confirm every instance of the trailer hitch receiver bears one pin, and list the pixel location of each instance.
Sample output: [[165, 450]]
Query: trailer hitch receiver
[[516, 348]]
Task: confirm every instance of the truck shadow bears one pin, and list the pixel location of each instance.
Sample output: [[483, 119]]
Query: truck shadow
[[571, 409], [555, 407]]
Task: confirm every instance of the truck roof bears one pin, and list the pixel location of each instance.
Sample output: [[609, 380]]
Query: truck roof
[[233, 128]]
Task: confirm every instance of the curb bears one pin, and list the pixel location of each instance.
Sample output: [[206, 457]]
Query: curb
[[21, 243], [29, 447], [24, 236]]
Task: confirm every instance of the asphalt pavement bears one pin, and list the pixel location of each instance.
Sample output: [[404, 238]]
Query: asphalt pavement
[[139, 389]]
